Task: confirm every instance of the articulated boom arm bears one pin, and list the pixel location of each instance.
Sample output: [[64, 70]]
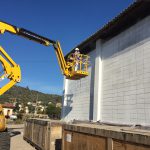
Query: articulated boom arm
[[5, 27], [61, 59], [67, 67], [12, 70]]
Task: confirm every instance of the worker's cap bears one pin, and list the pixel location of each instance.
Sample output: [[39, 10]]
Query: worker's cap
[[76, 49]]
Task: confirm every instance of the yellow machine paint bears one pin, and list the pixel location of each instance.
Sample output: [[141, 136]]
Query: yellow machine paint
[[67, 66], [2, 120], [12, 70]]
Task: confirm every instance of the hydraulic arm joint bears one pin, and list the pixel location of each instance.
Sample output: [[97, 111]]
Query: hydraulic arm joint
[[11, 71]]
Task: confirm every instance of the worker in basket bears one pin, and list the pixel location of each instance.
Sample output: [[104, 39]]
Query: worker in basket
[[76, 58]]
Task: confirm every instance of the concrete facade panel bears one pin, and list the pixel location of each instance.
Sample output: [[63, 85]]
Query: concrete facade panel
[[126, 76], [78, 95]]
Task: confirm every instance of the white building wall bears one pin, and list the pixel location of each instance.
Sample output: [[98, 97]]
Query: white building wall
[[78, 95], [118, 87], [126, 76]]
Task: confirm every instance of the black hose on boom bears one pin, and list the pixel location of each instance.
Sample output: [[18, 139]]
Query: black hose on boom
[[35, 37]]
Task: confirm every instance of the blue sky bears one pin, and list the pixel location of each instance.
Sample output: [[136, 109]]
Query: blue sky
[[68, 21]]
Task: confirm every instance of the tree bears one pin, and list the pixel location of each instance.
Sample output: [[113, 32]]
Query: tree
[[58, 112], [17, 107], [53, 111], [27, 88], [31, 108]]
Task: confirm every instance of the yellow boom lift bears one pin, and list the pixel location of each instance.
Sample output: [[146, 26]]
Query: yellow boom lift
[[12, 70]]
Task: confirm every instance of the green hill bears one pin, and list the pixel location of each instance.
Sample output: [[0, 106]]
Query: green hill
[[24, 95]]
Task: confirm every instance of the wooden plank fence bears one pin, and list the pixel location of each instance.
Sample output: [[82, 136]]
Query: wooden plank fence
[[43, 134]]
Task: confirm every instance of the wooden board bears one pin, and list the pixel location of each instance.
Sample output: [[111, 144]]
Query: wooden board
[[79, 141], [120, 145], [43, 134]]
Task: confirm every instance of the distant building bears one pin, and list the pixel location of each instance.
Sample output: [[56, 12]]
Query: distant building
[[26, 110], [39, 102], [29, 103], [20, 107], [8, 109], [58, 105], [42, 108], [34, 104], [117, 89]]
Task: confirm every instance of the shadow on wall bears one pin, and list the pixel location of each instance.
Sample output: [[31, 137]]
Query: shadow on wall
[[68, 98]]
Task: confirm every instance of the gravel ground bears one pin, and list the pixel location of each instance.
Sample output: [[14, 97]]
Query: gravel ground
[[17, 142]]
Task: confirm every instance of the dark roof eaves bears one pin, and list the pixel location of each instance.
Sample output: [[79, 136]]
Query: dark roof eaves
[[99, 34]]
